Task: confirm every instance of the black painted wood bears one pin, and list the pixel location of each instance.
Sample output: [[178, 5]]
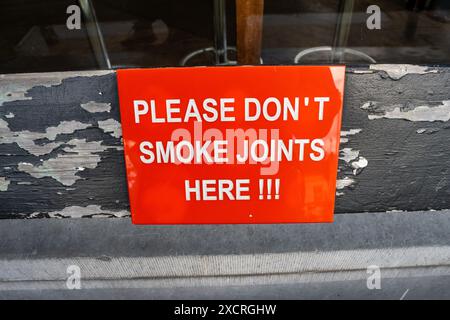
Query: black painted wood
[[61, 153]]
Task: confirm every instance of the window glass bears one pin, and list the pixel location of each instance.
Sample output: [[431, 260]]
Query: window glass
[[389, 31], [34, 38], [53, 35]]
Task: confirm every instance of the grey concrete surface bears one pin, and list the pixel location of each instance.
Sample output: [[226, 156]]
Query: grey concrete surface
[[425, 288], [119, 238], [304, 261]]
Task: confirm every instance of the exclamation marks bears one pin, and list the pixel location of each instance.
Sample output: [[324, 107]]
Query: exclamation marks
[[277, 189], [268, 183], [269, 189], [261, 189]]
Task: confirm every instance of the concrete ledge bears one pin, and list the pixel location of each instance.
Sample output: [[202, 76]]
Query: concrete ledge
[[157, 261], [108, 238]]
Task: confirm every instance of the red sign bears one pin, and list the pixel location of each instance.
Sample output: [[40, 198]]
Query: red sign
[[231, 144]]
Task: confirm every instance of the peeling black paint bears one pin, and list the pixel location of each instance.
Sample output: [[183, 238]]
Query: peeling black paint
[[407, 170]]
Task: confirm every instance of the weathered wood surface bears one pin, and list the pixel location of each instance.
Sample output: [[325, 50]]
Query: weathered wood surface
[[61, 153]]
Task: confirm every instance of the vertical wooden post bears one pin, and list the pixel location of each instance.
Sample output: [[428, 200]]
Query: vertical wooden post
[[249, 16]]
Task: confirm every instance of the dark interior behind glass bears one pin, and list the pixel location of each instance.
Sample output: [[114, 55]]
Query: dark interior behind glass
[[154, 33]]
